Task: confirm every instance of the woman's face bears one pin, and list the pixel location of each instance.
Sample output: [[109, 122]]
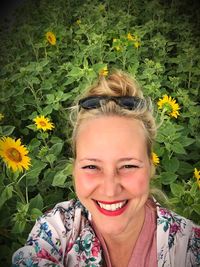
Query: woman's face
[[112, 171]]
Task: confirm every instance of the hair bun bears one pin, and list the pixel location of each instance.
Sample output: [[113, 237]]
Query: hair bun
[[116, 84]]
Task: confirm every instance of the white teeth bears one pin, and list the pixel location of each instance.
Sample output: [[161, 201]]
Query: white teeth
[[112, 207]]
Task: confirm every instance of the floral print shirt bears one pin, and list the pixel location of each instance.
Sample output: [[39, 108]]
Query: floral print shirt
[[64, 237]]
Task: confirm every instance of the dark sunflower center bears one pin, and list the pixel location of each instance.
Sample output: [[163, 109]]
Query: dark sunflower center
[[50, 39], [14, 154], [42, 123]]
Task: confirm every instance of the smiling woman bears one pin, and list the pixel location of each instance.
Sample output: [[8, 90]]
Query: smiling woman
[[115, 221]]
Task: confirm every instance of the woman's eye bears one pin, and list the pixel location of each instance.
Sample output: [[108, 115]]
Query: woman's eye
[[90, 167], [129, 166]]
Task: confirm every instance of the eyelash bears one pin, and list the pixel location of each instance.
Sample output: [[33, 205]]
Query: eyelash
[[129, 166], [91, 167]]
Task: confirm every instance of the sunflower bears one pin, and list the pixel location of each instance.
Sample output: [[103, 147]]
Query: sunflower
[[137, 44], [169, 104], [117, 44], [155, 158], [101, 8], [104, 71], [14, 154], [1, 116], [78, 22], [118, 48], [43, 123], [130, 37], [51, 38], [197, 176]]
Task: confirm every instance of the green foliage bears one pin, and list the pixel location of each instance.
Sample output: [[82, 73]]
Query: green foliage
[[38, 78]]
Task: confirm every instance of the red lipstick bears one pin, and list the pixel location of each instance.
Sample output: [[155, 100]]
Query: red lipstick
[[117, 212]]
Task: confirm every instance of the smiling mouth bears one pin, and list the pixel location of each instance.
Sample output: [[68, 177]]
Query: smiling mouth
[[114, 206]]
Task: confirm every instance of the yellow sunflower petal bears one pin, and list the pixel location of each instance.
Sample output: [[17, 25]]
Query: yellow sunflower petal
[[130, 37], [155, 158], [137, 44], [43, 123], [104, 71], [78, 22], [197, 176], [14, 154], [169, 104], [51, 38], [1, 116]]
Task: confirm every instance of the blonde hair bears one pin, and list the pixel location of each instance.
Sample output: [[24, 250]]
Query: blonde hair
[[116, 84]]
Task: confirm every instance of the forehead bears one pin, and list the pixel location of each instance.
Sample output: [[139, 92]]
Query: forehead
[[111, 132]]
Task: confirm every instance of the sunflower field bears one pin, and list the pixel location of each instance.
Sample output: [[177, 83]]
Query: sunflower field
[[50, 52]]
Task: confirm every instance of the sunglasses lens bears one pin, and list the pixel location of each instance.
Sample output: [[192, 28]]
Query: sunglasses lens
[[90, 103], [131, 102]]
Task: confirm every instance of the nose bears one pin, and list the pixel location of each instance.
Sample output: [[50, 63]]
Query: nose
[[111, 185]]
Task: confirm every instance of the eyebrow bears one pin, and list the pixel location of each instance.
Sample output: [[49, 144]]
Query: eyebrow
[[90, 159], [120, 160]]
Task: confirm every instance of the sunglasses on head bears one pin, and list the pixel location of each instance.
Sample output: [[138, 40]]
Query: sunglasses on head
[[127, 102]]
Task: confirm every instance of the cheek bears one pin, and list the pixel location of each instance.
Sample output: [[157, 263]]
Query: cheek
[[84, 185], [138, 185]]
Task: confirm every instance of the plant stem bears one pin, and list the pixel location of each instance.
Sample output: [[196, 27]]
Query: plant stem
[[19, 193], [21, 178], [35, 96], [190, 75], [27, 194]]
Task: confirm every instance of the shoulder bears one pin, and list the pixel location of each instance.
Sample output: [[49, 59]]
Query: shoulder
[[177, 235], [64, 218], [170, 220]]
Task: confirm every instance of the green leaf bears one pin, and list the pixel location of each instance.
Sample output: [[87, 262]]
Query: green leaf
[[50, 98], [36, 202], [47, 110], [32, 127], [160, 138], [177, 189], [185, 168], [35, 213], [168, 178], [34, 80], [19, 227], [194, 189], [33, 175], [178, 148], [56, 149], [56, 106], [34, 143], [50, 158], [175, 201], [75, 72], [170, 165], [186, 141], [56, 139], [196, 208], [61, 176], [7, 130], [6, 194]]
